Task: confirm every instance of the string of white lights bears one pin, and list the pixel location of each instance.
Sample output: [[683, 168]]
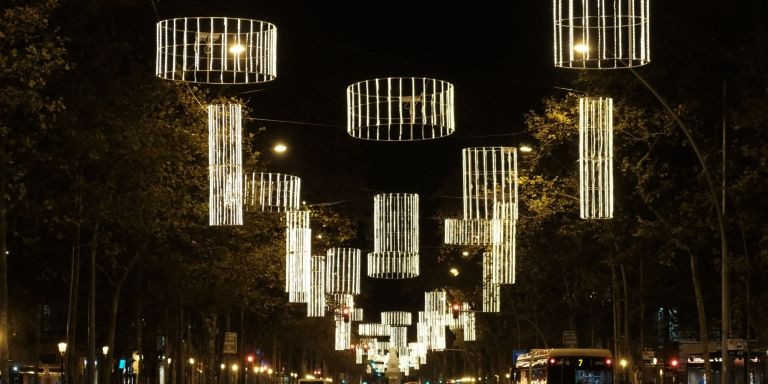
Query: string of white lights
[[491, 291], [396, 236], [396, 318], [316, 299], [272, 192], [342, 267]]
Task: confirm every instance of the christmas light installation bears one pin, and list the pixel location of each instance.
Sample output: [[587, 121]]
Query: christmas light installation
[[503, 252], [343, 334], [298, 251], [489, 181], [216, 50], [435, 316], [396, 236], [225, 164], [342, 271], [272, 192], [491, 291], [598, 34], [396, 318], [398, 337], [468, 320], [596, 158], [400, 109], [316, 299], [373, 330]]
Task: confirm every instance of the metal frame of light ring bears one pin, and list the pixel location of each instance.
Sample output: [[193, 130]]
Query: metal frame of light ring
[[216, 50], [272, 192], [468, 232], [316, 299], [400, 109], [342, 271], [396, 318], [396, 236], [596, 158], [225, 164], [503, 249], [599, 34]]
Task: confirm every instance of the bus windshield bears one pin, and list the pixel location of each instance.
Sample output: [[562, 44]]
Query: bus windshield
[[566, 366]]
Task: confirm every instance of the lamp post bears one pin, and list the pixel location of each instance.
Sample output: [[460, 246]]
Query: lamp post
[[106, 363], [62, 350]]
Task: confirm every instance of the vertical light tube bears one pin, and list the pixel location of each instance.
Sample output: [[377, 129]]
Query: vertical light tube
[[596, 158], [225, 164]]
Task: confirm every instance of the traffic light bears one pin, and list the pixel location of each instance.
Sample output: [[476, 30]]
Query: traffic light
[[345, 314], [455, 308]]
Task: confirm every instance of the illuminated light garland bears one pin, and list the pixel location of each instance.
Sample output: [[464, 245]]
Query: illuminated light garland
[[316, 299], [225, 164], [489, 179], [396, 236], [298, 255], [359, 354], [373, 330], [597, 34], [343, 334], [418, 350], [491, 291], [400, 109], [396, 318], [596, 158], [503, 253], [435, 317], [216, 50], [272, 192], [356, 315], [342, 271], [468, 319], [398, 337]]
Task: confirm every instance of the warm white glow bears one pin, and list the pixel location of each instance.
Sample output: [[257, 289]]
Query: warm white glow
[[596, 34], [235, 367], [62, 347], [343, 334], [396, 236], [525, 149], [216, 50], [454, 272], [623, 363], [596, 158], [316, 299], [434, 317], [491, 291], [225, 164], [400, 109], [298, 251], [105, 350], [342, 271], [191, 360], [236, 49], [398, 337], [373, 330], [280, 148], [272, 192], [580, 48]]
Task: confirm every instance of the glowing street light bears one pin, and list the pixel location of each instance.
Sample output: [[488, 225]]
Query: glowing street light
[[191, 361], [105, 350], [454, 272], [236, 49], [580, 48], [280, 148], [525, 148]]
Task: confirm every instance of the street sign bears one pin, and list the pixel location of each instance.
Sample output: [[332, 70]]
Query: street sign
[[230, 343], [569, 339]]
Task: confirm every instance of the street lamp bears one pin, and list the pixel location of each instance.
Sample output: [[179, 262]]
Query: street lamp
[[280, 148], [62, 350], [525, 148], [454, 272], [105, 350]]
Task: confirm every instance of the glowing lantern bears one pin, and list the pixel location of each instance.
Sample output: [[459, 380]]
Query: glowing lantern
[[396, 236], [596, 158]]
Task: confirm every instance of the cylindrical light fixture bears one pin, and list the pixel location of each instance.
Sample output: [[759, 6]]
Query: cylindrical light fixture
[[596, 157], [298, 255], [396, 236], [272, 192], [491, 291], [396, 318], [225, 164], [342, 271], [216, 50], [316, 299], [598, 34], [400, 109]]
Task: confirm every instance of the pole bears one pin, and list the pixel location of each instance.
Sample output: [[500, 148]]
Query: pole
[[725, 262], [92, 313]]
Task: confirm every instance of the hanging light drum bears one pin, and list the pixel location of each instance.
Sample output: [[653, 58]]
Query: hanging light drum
[[298, 251], [225, 164], [396, 236], [468, 318], [343, 334], [489, 181], [396, 318], [598, 34], [491, 291], [316, 299], [272, 192], [596, 158], [503, 253], [398, 337], [400, 109], [216, 50], [342, 271], [373, 330]]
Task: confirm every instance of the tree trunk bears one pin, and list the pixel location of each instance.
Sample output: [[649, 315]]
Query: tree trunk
[[4, 355], [92, 312], [111, 332], [628, 368], [74, 285], [180, 347], [615, 305], [704, 333]]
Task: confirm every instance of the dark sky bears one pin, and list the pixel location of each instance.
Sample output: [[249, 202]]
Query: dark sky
[[498, 55]]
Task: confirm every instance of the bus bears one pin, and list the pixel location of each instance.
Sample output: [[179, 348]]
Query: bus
[[566, 366]]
